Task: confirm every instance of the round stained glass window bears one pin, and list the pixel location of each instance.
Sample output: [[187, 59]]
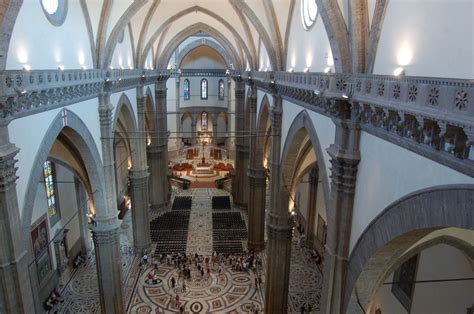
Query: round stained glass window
[[50, 6], [55, 11], [309, 12]]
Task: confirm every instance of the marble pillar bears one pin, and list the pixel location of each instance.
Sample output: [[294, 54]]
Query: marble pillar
[[257, 183], [138, 176], [345, 157], [106, 230], [15, 285], [279, 226], [240, 182], [158, 152]]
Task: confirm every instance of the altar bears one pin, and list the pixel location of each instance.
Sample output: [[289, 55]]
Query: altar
[[203, 169]]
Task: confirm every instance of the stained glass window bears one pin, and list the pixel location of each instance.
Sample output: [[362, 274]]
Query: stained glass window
[[203, 89], [221, 89], [186, 89], [309, 12], [49, 179]]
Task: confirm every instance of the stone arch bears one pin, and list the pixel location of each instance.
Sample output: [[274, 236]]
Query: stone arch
[[338, 35], [124, 120], [397, 228], [209, 43], [164, 27], [190, 31], [301, 127], [105, 59], [78, 134], [7, 23]]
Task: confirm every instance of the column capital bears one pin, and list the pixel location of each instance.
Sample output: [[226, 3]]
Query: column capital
[[106, 115], [343, 169], [8, 170], [141, 101]]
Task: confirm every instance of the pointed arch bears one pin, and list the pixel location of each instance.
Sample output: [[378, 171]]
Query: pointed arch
[[398, 227], [79, 135], [190, 31], [208, 43], [302, 127]]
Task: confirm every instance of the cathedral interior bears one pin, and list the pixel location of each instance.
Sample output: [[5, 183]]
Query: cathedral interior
[[237, 156]]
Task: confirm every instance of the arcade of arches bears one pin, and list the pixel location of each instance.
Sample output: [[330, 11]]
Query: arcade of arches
[[290, 156]]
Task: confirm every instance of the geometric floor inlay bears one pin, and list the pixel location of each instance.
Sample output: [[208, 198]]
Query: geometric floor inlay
[[227, 292]]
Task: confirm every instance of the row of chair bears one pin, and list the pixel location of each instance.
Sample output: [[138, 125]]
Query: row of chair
[[220, 202], [182, 203]]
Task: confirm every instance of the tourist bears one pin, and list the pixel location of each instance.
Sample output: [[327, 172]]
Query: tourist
[[184, 287], [173, 282], [181, 309], [145, 259], [177, 300], [310, 308]]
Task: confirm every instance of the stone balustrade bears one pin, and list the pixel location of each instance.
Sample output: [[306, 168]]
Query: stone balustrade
[[431, 116], [27, 92]]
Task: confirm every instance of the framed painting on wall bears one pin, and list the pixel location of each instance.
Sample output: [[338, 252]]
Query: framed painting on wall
[[40, 243]]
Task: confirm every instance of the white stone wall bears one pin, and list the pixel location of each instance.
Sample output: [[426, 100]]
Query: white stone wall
[[428, 37]]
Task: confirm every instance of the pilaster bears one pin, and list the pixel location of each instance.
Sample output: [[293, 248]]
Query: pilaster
[[312, 201], [15, 281]]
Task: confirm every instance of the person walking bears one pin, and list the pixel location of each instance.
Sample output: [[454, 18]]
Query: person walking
[[184, 287], [173, 282]]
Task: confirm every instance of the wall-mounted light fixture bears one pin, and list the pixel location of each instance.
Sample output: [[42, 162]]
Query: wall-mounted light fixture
[[83, 67], [317, 92], [111, 67], [291, 70], [399, 71], [327, 70], [306, 70], [26, 67]]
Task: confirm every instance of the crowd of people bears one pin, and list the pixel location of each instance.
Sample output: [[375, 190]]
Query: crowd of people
[[203, 266]]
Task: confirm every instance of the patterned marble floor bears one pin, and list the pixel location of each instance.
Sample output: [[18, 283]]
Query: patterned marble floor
[[227, 292]]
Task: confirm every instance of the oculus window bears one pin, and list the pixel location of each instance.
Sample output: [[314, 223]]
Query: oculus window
[[186, 89], [55, 11], [309, 13], [203, 89]]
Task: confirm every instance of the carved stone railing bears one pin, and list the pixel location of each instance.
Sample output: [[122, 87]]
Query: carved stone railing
[[200, 72], [24, 93], [431, 116]]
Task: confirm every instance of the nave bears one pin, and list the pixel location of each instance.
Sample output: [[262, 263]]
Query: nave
[[230, 291]]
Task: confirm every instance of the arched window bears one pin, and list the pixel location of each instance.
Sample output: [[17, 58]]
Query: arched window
[[309, 12], [49, 172], [203, 89], [186, 89], [221, 89], [55, 11]]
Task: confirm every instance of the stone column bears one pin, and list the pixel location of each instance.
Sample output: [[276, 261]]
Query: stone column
[[193, 131], [229, 116], [15, 284], [81, 201], [312, 201], [158, 152], [278, 226], [138, 176], [345, 156], [240, 183], [179, 142], [214, 129], [257, 183], [105, 232]]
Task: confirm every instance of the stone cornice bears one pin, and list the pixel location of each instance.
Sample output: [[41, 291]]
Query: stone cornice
[[24, 93], [433, 117]]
